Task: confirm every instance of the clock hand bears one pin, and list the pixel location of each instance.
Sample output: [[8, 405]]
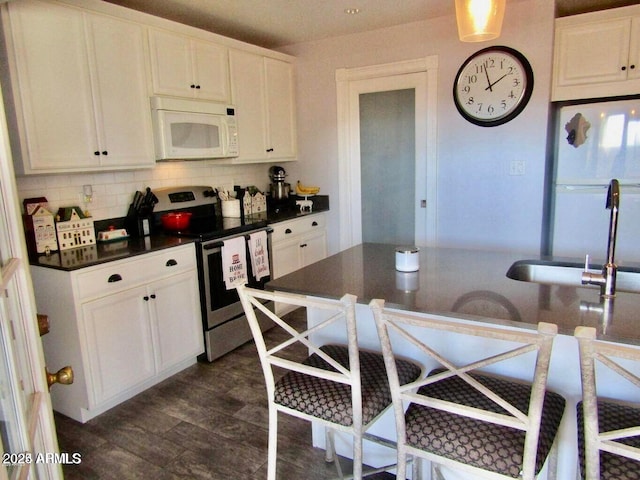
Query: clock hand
[[492, 84], [486, 72]]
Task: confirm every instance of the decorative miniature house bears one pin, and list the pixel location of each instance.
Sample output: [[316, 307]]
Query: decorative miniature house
[[74, 229], [44, 229]]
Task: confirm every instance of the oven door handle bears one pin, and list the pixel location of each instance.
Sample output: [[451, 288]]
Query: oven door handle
[[213, 245]]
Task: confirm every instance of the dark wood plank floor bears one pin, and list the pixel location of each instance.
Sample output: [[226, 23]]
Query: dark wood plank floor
[[207, 422]]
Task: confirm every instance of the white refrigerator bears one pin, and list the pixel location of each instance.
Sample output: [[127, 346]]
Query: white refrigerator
[[596, 142]]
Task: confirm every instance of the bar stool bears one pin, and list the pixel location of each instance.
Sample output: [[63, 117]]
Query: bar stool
[[459, 417], [608, 430], [338, 386]]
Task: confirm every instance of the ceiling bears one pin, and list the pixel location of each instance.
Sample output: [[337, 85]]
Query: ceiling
[[274, 23]]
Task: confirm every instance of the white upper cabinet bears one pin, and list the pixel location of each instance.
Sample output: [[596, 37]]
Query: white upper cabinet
[[182, 66], [281, 114], [597, 54], [80, 90], [263, 91]]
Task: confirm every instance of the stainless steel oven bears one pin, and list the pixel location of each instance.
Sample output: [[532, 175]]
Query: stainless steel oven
[[225, 326]]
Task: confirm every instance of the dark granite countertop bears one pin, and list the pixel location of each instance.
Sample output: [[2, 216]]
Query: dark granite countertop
[[87, 256], [465, 284]]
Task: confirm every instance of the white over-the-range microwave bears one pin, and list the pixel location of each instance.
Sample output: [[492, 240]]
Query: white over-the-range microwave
[[193, 129]]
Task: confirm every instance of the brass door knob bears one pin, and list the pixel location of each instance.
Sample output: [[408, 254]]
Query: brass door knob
[[63, 376]]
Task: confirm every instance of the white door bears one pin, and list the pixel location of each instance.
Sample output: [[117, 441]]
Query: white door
[[27, 431], [388, 183], [375, 105]]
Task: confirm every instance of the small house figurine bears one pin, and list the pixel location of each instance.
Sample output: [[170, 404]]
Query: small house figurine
[[258, 203], [74, 229], [44, 229]]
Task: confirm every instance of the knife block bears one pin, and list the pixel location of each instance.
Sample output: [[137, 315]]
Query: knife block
[[137, 225]]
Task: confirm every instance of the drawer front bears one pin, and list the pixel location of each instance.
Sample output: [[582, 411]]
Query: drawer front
[[122, 274], [299, 226]]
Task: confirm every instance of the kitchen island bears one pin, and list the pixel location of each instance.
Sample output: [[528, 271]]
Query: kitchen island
[[472, 285]]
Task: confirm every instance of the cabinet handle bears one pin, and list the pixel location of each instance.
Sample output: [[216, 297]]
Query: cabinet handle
[[314, 224], [153, 295], [104, 152], [197, 87], [303, 245], [171, 263], [193, 86], [96, 153], [114, 278], [631, 67], [287, 231], [269, 150], [147, 297], [63, 376], [623, 68]]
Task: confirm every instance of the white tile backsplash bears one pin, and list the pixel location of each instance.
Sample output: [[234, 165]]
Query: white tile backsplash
[[113, 191]]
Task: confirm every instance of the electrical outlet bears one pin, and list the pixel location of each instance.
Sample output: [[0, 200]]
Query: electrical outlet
[[516, 167]]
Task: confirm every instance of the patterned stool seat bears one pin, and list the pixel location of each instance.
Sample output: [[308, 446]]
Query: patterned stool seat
[[330, 400], [612, 416], [470, 441]]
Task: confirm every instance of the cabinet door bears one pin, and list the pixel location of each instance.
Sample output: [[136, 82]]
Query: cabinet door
[[593, 52], [171, 68], [176, 319], [286, 256], [314, 247], [122, 102], [186, 67], [280, 91], [634, 51], [248, 95], [211, 71], [52, 87], [119, 343]]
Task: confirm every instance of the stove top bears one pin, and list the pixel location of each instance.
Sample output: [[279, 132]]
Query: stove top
[[206, 222], [210, 228]]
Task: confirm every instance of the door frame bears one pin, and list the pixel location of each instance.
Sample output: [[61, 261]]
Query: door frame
[[420, 74]]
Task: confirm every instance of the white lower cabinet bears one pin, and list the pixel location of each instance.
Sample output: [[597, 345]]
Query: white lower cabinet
[[298, 243], [119, 343], [123, 326]]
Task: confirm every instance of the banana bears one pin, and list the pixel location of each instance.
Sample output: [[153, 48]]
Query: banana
[[304, 190]]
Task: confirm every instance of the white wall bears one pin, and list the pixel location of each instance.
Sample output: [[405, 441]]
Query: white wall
[[479, 204]]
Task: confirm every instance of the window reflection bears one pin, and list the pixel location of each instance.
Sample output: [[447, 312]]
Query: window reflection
[[613, 131], [633, 135], [621, 129]]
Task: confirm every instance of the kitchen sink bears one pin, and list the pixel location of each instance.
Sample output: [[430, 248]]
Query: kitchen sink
[[569, 274]]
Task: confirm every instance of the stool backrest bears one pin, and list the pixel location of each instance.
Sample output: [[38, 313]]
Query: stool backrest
[[337, 315], [399, 332], [619, 359]]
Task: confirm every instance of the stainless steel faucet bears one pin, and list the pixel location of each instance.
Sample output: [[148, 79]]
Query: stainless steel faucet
[[607, 278]]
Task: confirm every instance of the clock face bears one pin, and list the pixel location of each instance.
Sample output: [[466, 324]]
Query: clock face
[[493, 86]]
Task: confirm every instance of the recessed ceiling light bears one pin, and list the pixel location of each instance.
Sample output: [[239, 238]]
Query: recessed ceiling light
[[352, 11]]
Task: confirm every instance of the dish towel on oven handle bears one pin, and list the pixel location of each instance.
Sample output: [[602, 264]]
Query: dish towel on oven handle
[[234, 262], [259, 255]]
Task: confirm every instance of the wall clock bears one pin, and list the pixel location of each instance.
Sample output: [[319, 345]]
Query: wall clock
[[493, 86]]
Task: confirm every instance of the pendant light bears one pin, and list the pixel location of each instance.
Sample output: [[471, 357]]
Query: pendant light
[[479, 20]]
